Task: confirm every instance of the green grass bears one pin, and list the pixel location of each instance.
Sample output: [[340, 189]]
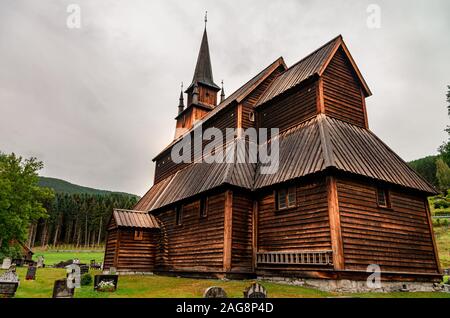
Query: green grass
[[154, 286], [52, 257], [443, 242]]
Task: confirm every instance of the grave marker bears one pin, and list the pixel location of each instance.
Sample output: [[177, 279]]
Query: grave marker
[[255, 291], [40, 261], [9, 281], [215, 292], [61, 290], [105, 282], [31, 273], [6, 263]]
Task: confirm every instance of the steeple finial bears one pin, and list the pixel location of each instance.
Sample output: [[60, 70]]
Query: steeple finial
[[206, 18], [222, 93], [181, 103]]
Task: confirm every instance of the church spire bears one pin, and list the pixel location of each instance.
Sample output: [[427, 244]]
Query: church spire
[[203, 69], [181, 103]]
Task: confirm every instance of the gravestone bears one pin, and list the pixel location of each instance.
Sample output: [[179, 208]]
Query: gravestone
[[6, 263], [40, 261], [18, 261], [84, 269], [255, 291], [112, 271], [215, 292], [61, 290], [31, 273], [105, 282], [9, 281]]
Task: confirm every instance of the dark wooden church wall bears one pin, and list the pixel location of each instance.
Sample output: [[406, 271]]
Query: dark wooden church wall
[[166, 167], [305, 227], [137, 255], [342, 93], [291, 109], [250, 101], [397, 239], [242, 232], [110, 249], [196, 244]]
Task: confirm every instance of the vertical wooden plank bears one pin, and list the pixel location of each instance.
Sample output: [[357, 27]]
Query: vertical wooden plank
[[228, 230], [433, 238], [239, 119], [319, 96], [335, 224], [254, 233]]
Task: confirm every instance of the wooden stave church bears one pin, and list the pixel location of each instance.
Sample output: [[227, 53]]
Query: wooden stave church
[[356, 202]]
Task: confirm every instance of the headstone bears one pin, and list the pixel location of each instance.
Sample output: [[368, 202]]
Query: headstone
[[31, 273], [9, 281], [73, 276], [215, 292], [61, 290], [84, 269], [6, 263], [112, 271], [18, 261], [255, 291], [105, 282], [40, 261]]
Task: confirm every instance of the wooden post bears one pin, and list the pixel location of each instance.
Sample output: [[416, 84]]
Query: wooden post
[[363, 99], [227, 235], [254, 233], [239, 119], [335, 224], [319, 96], [430, 224]]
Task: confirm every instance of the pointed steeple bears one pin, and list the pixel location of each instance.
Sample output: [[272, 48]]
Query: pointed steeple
[[203, 69], [222, 93], [181, 103]]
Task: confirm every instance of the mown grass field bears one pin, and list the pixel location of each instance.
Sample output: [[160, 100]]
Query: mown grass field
[[153, 286]]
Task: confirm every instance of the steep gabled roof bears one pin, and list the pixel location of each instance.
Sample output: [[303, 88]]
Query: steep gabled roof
[[312, 65], [237, 96], [134, 219], [324, 142], [203, 69]]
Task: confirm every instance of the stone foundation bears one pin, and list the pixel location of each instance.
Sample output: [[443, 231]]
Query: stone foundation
[[352, 286]]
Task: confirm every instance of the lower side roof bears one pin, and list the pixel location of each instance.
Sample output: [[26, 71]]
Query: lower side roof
[[310, 147]]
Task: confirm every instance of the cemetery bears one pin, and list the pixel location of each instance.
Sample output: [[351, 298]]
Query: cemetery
[[47, 279]]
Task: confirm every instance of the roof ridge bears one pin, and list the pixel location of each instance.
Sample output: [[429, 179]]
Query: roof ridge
[[327, 147]]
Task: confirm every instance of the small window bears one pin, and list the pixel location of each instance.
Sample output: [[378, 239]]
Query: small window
[[138, 235], [251, 116], [383, 197], [179, 214], [286, 198], [204, 202]]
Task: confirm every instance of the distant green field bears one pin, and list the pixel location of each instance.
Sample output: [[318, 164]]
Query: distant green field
[[53, 257]]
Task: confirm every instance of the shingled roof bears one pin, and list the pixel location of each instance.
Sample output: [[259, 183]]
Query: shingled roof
[[312, 65], [324, 142], [134, 219]]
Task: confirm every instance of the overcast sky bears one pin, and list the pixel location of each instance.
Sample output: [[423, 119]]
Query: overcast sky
[[97, 103]]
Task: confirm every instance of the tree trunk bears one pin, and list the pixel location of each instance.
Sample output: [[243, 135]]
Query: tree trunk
[[34, 235], [44, 233], [55, 237], [86, 232], [99, 232]]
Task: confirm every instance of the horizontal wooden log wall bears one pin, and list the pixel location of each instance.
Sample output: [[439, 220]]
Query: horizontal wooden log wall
[[305, 227], [342, 92], [397, 239], [242, 232], [137, 255], [166, 167], [110, 249], [291, 109], [197, 244], [250, 101]]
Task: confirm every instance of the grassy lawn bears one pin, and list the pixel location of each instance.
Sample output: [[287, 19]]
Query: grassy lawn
[[153, 286], [160, 286], [443, 242]]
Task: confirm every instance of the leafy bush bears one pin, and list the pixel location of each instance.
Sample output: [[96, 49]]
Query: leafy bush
[[86, 279]]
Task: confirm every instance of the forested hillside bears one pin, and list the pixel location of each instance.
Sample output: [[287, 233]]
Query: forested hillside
[[77, 215]]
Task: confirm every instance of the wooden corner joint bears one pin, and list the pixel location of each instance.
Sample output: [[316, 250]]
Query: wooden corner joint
[[227, 234], [335, 224]]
